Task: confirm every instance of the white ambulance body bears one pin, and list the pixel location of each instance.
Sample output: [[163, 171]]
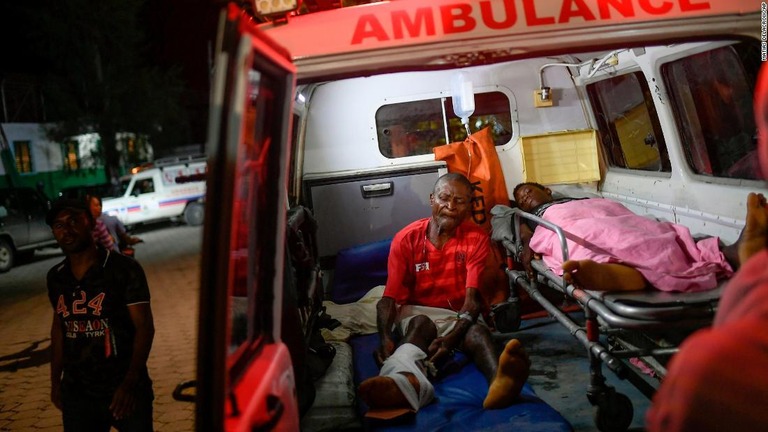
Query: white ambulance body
[[644, 102], [171, 188]]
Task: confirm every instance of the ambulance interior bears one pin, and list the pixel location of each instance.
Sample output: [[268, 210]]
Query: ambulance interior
[[666, 129], [662, 129]]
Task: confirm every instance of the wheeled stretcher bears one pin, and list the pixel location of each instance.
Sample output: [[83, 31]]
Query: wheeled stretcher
[[634, 334]]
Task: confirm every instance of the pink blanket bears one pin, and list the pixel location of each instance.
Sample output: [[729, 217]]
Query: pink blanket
[[605, 231]]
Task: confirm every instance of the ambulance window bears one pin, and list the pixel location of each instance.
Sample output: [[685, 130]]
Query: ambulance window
[[410, 128], [491, 110], [629, 128], [414, 128], [144, 187], [711, 96]]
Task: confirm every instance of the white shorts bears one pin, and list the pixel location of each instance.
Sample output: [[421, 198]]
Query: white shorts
[[444, 319]]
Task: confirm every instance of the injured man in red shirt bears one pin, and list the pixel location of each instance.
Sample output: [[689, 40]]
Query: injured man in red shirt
[[431, 306]]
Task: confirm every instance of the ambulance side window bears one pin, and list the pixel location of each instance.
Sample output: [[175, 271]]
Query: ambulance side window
[[711, 95], [414, 128], [143, 187], [628, 124], [491, 110]]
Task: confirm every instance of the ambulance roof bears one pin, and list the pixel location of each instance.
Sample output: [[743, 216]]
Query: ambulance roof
[[423, 34]]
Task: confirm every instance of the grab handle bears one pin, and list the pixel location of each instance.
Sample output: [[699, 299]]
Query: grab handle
[[377, 189]]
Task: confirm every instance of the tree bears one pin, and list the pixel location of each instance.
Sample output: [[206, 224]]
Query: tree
[[97, 77]]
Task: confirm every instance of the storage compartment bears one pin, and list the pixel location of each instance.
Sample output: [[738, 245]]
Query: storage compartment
[[359, 207], [560, 157]]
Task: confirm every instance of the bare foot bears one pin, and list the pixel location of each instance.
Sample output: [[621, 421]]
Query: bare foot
[[591, 275], [754, 237], [383, 392], [514, 366]]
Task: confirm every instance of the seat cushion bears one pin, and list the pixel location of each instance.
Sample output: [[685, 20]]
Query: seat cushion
[[358, 269]]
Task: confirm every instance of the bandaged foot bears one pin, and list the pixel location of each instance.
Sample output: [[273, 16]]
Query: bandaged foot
[[514, 366], [591, 275], [754, 237], [402, 382]]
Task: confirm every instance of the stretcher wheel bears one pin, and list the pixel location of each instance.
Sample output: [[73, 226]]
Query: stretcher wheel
[[613, 413]]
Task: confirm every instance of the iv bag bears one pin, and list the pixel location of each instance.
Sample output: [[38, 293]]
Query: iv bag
[[463, 97]]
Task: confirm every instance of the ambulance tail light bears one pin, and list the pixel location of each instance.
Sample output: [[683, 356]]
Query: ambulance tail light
[[268, 8]]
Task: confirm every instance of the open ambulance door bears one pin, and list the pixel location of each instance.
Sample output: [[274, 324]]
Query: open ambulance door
[[245, 379]]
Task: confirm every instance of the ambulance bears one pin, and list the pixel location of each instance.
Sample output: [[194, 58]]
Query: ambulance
[[171, 188], [332, 118]]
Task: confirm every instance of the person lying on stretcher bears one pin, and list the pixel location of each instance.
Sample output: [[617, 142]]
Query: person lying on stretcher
[[612, 249], [431, 298]]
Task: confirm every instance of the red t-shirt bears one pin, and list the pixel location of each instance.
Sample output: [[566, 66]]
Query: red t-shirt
[[421, 274], [718, 380]]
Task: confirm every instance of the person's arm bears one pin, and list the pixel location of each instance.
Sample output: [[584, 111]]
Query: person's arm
[[129, 240], [122, 232], [473, 300], [395, 291], [102, 236], [526, 256], [124, 399], [57, 360], [386, 311], [467, 317]]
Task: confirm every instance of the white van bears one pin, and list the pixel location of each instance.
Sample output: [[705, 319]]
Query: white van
[[644, 102], [170, 188]]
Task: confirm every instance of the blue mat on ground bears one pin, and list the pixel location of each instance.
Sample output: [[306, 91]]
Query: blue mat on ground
[[459, 402]]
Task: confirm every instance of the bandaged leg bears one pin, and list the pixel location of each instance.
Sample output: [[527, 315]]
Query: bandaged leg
[[401, 383]]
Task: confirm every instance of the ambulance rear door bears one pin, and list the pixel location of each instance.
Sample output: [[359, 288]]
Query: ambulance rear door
[[245, 379]]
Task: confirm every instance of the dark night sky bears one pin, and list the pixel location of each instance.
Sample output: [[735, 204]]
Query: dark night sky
[[180, 33], [183, 33]]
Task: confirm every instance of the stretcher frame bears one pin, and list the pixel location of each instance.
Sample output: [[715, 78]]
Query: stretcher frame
[[616, 326]]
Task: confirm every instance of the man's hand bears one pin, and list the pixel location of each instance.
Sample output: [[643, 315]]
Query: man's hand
[[526, 257], [444, 346], [124, 399], [385, 349]]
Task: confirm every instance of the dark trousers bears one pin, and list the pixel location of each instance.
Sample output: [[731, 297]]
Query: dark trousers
[[90, 414]]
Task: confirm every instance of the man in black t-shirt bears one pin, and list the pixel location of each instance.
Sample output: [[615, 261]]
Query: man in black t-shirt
[[102, 330]]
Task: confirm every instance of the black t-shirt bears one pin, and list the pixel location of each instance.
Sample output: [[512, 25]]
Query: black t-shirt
[[97, 327]]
